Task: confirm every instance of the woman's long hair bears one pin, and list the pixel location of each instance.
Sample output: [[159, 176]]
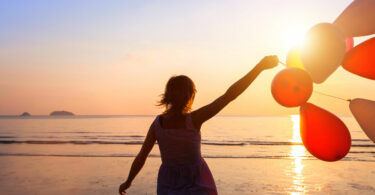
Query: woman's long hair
[[178, 95]]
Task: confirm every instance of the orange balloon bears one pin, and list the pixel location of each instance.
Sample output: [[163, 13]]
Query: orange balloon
[[364, 112], [361, 59], [292, 87], [324, 135], [294, 59], [358, 19], [322, 51]]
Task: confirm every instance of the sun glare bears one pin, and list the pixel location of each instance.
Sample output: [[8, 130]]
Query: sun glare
[[294, 36]]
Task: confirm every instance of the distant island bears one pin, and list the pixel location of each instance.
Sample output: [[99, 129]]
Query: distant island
[[61, 113], [25, 114]]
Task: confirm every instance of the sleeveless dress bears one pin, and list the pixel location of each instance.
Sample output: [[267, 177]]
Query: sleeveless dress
[[183, 170]]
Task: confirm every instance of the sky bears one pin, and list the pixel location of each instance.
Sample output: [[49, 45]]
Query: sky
[[114, 57]]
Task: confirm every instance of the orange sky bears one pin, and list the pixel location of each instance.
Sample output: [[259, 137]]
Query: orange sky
[[119, 62]]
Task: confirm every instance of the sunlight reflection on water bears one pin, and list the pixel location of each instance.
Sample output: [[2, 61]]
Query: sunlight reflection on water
[[297, 153]]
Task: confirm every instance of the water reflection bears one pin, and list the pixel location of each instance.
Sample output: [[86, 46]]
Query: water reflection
[[297, 153]]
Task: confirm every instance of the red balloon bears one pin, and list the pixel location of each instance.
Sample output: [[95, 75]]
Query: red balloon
[[324, 135], [361, 59], [292, 87], [349, 43]]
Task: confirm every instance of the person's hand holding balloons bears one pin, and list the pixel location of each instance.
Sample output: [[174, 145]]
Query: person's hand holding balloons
[[268, 62]]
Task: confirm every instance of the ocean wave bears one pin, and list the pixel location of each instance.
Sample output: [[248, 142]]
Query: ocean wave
[[305, 157], [139, 142], [66, 142], [223, 143]]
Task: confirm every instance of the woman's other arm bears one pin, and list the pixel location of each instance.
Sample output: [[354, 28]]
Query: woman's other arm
[[140, 159]]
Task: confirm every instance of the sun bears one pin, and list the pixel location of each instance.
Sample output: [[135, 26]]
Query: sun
[[294, 35]]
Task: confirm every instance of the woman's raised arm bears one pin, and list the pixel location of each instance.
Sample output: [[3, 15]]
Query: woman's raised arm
[[206, 112]]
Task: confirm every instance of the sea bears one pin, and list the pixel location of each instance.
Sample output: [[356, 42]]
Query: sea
[[267, 137]]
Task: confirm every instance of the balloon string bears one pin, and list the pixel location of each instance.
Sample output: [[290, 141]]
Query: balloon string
[[332, 96]]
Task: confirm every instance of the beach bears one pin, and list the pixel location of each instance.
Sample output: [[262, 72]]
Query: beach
[[246, 155], [277, 96], [102, 175]]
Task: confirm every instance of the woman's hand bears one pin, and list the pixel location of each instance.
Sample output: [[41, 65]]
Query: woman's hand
[[123, 187], [268, 62]]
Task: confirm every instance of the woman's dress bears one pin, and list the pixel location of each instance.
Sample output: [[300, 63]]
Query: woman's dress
[[183, 169]]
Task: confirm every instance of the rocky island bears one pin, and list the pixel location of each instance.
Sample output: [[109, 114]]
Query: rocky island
[[25, 114], [61, 113]]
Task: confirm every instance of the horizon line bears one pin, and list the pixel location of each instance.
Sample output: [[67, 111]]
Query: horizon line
[[148, 115]]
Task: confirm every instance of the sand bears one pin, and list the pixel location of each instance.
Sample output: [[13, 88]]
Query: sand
[[102, 175]]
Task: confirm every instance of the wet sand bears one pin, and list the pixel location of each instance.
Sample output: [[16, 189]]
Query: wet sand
[[102, 175]]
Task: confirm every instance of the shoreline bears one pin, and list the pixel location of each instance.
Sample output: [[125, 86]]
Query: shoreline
[[65, 175]]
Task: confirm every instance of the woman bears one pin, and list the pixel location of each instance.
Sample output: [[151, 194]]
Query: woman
[[177, 130]]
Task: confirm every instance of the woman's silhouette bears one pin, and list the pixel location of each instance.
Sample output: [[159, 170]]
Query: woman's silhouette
[[177, 130]]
